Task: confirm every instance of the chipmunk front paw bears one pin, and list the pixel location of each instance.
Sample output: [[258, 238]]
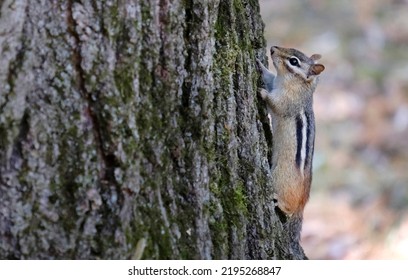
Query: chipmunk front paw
[[263, 93]]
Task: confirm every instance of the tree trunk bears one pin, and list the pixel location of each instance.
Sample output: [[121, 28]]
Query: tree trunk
[[132, 129]]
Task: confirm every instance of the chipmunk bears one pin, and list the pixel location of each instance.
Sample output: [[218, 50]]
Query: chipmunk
[[289, 99]]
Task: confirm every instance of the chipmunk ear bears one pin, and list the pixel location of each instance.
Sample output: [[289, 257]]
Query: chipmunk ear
[[316, 57], [315, 69]]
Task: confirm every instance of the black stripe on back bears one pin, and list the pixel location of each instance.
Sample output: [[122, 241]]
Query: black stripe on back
[[309, 139], [299, 127]]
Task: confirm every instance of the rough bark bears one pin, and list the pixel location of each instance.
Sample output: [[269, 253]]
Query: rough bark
[[132, 129]]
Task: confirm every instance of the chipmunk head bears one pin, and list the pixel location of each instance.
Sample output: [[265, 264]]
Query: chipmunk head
[[293, 64]]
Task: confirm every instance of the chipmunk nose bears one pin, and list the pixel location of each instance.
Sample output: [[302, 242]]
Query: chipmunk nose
[[273, 49]]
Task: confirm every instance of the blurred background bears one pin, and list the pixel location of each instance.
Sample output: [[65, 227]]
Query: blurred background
[[359, 200]]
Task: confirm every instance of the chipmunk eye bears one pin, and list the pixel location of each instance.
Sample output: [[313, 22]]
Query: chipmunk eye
[[294, 61]]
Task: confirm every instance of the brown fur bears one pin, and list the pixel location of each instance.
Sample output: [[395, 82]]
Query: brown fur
[[293, 198], [291, 96], [291, 187]]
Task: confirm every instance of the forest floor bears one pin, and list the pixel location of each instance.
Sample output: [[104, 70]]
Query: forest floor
[[335, 229]]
